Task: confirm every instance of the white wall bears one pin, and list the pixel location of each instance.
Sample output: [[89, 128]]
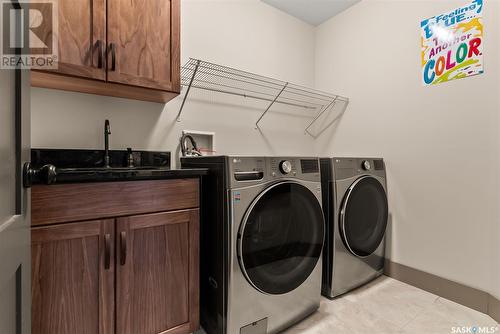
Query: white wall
[[441, 144], [246, 34]]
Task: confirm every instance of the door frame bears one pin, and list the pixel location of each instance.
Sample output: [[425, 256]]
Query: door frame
[[15, 250]]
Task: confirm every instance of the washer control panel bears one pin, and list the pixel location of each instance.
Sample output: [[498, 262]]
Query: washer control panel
[[295, 167], [261, 169], [285, 167]]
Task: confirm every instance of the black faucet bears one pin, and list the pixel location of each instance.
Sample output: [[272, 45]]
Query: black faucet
[[107, 132]]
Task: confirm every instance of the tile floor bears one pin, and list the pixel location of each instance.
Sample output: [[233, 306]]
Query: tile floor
[[387, 306]]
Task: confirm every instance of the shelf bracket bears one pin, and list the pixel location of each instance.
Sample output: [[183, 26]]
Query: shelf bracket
[[270, 105], [329, 106], [188, 89]]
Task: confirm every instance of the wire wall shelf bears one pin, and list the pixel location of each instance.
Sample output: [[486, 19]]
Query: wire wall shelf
[[208, 76]]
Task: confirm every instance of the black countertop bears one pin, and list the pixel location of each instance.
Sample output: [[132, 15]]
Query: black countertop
[[79, 166]]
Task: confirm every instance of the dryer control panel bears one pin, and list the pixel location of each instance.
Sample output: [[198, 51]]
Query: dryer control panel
[[291, 167], [348, 167]]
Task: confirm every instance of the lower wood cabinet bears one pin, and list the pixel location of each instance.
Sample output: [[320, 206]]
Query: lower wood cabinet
[[72, 282], [129, 275], [157, 273]]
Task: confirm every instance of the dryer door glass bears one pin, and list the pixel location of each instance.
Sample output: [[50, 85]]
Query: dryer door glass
[[281, 238], [363, 217]]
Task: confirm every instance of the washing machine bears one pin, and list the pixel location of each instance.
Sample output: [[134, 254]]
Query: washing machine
[[262, 233], [356, 212]]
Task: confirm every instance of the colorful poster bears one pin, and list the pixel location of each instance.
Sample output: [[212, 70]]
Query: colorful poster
[[452, 44]]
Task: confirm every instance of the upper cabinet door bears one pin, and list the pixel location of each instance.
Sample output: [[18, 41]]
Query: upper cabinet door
[[143, 43], [81, 38]]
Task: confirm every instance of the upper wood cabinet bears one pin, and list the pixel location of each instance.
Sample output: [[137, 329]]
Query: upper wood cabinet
[[118, 48], [143, 50], [82, 38]]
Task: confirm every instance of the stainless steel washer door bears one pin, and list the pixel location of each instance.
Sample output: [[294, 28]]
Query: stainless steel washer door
[[363, 217], [281, 238]]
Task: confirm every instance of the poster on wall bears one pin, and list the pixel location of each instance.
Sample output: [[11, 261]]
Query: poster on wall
[[452, 44]]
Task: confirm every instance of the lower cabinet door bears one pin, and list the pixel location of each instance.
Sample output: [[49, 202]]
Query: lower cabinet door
[[157, 273], [73, 278]]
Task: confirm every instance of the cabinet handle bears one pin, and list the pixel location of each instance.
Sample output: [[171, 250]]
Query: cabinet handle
[[107, 251], [99, 53], [123, 248], [112, 46]]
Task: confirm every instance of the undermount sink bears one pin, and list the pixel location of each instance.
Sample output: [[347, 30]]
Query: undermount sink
[[51, 166], [49, 174], [106, 170]]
